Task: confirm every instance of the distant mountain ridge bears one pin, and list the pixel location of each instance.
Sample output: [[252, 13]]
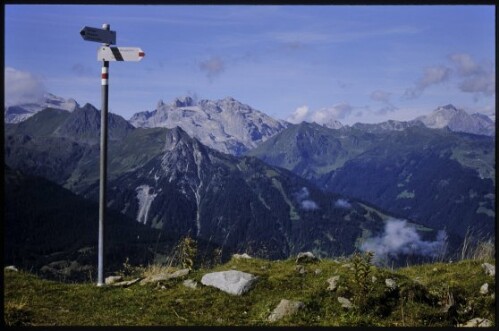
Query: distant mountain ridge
[[436, 177], [458, 120], [21, 112], [226, 125], [167, 180]]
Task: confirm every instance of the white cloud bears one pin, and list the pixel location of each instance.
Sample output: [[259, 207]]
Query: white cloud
[[384, 98], [475, 78], [343, 203], [22, 87], [303, 198], [431, 76], [298, 115], [321, 116], [401, 238]]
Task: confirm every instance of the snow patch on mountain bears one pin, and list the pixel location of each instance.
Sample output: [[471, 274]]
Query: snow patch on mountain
[[21, 112], [145, 197], [226, 125], [458, 120]]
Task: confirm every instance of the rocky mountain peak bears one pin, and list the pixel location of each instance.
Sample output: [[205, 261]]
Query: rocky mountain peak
[[185, 101]]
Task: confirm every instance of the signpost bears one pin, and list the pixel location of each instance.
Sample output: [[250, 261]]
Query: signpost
[[105, 54], [104, 36]]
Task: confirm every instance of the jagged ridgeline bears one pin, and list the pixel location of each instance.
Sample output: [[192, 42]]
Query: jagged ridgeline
[[166, 180]]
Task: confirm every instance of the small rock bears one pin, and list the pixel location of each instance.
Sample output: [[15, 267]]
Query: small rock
[[333, 283], [317, 271], [112, 279], [165, 276], [390, 283], [10, 268], [345, 303], [434, 269], [489, 269], [241, 256], [300, 269], [179, 300], [285, 308], [190, 283], [232, 281], [484, 289], [306, 257], [374, 279], [127, 283], [477, 322]]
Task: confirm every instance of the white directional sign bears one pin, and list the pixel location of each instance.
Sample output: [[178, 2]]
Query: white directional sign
[[98, 35], [106, 53]]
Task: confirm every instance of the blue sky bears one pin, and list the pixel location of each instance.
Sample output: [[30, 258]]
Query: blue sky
[[316, 63]]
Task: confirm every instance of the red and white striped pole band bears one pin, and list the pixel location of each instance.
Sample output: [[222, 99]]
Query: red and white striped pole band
[[105, 75]]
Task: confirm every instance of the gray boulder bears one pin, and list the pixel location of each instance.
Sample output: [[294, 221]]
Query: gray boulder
[[126, 283], [10, 268], [484, 289], [241, 256], [345, 303], [285, 308], [306, 257], [190, 283], [333, 283], [232, 281], [477, 322], [165, 276], [112, 279], [390, 283], [489, 269]]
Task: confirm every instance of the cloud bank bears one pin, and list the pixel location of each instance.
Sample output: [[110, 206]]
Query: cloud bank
[[22, 87], [431, 76], [474, 78], [303, 198], [321, 116], [400, 238]]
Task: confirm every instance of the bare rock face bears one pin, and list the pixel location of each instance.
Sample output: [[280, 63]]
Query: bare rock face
[[285, 308], [232, 281]]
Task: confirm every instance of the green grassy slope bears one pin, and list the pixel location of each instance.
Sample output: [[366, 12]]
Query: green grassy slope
[[418, 301]]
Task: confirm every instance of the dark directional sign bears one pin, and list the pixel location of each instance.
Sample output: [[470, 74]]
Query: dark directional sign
[[98, 35]]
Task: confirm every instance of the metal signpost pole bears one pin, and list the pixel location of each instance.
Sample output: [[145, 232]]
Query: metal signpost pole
[[103, 166], [106, 54]]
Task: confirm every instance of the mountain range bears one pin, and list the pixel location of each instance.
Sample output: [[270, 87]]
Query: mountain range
[[235, 178], [167, 180]]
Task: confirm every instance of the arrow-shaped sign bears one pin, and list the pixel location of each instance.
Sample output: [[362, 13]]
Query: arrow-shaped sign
[[106, 53], [98, 35]]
